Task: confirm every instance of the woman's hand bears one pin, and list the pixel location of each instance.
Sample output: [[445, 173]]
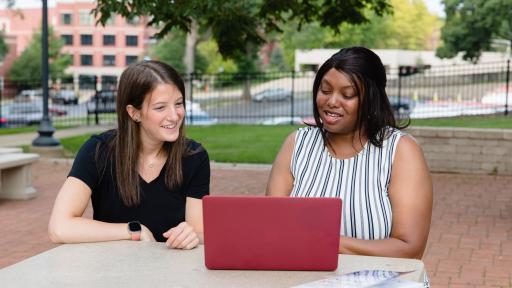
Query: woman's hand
[[182, 236], [146, 235]]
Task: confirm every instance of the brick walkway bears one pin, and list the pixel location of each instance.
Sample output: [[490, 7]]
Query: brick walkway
[[470, 243]]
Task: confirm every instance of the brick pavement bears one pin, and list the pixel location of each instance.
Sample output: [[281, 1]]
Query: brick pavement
[[470, 243]]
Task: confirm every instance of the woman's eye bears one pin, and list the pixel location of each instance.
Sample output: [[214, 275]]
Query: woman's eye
[[159, 108], [179, 104], [326, 91]]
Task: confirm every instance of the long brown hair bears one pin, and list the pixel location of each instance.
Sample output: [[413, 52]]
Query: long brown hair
[[136, 82]]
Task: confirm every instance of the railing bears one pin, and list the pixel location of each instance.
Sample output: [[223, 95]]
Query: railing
[[272, 98]]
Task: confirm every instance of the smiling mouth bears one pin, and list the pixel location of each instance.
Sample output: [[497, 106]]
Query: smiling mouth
[[333, 114], [170, 126]]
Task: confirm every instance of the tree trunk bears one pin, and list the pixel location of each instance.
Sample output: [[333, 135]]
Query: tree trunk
[[189, 57], [246, 94]]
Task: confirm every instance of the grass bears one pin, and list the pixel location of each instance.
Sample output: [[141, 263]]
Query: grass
[[260, 144], [487, 122], [225, 143]]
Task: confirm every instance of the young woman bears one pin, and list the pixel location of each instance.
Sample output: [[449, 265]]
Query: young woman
[[356, 151], [145, 179]]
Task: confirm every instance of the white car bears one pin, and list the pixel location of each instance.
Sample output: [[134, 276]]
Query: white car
[[498, 96]]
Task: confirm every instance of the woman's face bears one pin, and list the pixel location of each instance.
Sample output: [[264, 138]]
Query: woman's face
[[337, 103], [162, 113]]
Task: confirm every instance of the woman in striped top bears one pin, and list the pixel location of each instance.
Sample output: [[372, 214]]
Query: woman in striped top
[[356, 151]]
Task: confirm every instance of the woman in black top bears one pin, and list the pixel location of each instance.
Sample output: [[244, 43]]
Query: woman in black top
[[145, 179]]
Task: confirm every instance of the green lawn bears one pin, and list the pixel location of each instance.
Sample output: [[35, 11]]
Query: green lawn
[[226, 143], [260, 144], [498, 122]]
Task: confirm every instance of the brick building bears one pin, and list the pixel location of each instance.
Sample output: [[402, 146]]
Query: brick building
[[101, 51]]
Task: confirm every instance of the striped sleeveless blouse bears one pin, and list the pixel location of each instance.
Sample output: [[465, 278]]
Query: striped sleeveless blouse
[[361, 181]]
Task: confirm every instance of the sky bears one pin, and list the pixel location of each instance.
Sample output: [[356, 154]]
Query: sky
[[434, 6]]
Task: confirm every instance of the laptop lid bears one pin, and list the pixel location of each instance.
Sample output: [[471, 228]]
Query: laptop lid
[[271, 233]]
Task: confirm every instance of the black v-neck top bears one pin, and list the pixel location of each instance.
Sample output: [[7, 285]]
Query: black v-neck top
[[160, 208]]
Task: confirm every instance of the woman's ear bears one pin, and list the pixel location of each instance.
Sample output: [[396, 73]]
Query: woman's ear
[[133, 112]]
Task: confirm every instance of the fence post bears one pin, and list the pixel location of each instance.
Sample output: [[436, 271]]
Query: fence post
[[399, 92], [97, 100], [293, 96], [506, 87], [191, 87]]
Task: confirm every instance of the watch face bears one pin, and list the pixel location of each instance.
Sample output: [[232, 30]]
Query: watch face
[[134, 226]]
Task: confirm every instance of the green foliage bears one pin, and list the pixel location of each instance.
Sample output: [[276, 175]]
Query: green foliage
[[471, 25], [3, 46], [236, 25], [411, 26], [171, 50], [277, 62], [28, 68], [216, 63]]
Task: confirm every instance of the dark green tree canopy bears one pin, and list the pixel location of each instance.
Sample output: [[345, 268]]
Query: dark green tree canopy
[[471, 25], [236, 24]]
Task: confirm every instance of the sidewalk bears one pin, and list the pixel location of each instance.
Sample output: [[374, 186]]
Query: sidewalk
[[20, 139], [470, 242]]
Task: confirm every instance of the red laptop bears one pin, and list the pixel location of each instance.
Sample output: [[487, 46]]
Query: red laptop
[[271, 233]]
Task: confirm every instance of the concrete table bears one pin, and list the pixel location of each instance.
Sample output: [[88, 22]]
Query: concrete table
[[148, 264]]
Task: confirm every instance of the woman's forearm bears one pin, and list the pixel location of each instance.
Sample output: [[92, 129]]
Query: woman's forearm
[[79, 230], [391, 247]]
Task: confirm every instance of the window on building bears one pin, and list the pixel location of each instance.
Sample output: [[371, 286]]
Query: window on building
[[130, 59], [108, 82], [68, 39], [86, 81], [86, 39], [86, 60], [66, 18], [109, 40], [109, 60], [85, 17], [132, 40]]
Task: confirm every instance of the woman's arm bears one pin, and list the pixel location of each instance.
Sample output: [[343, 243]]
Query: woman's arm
[[280, 182], [187, 234], [67, 225], [410, 192]]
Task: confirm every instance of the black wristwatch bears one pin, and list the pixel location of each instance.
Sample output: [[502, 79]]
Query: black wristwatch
[[135, 229]]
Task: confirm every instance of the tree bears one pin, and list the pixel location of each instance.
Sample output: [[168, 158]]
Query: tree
[[3, 46], [171, 50], [472, 25], [411, 26], [235, 24], [27, 68]]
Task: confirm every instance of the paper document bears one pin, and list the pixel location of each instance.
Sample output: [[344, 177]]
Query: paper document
[[362, 279]]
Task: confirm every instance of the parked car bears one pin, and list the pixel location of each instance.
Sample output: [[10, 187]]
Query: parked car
[[24, 114], [404, 108], [102, 102], [29, 95], [272, 94], [65, 97], [199, 118], [498, 96]]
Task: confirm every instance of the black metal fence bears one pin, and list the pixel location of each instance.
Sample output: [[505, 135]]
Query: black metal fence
[[271, 98]]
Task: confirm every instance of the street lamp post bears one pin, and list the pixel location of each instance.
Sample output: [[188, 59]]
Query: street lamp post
[[46, 128]]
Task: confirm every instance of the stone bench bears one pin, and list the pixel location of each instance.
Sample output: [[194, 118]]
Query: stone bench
[[16, 176], [10, 150]]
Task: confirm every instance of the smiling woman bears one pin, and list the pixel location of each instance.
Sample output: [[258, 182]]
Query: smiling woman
[[357, 152], [145, 179]]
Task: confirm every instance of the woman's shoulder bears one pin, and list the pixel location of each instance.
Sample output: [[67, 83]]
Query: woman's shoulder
[[99, 139], [308, 130]]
